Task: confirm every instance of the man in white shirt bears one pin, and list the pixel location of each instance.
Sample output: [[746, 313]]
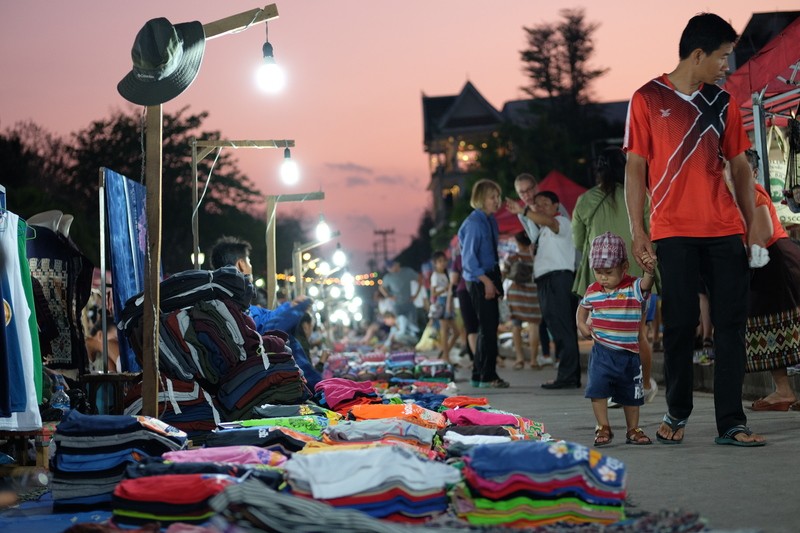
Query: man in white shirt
[[553, 271]]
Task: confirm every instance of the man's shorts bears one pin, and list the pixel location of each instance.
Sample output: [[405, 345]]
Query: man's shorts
[[616, 374]]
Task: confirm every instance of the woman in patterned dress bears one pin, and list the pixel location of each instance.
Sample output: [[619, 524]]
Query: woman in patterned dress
[[523, 303], [773, 323]]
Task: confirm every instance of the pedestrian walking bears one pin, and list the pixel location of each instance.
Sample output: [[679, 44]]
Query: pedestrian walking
[[681, 129]]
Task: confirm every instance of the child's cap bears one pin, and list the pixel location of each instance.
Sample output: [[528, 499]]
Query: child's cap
[[608, 251]]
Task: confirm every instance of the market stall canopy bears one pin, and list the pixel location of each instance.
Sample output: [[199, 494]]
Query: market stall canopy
[[566, 189], [775, 69], [507, 222]]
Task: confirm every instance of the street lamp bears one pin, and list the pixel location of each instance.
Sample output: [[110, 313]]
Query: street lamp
[[153, 145], [272, 204], [339, 257], [206, 147], [297, 259], [270, 76], [199, 259], [323, 231], [290, 172]]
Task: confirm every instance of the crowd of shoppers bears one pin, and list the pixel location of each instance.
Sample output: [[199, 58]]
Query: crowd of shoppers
[[662, 196]]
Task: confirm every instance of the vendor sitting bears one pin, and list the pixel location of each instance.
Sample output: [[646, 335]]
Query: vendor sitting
[[231, 251]]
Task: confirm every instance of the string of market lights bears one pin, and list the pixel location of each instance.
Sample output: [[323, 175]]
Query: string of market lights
[[364, 280]]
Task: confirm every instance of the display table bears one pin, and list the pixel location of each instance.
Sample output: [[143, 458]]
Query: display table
[[118, 382]]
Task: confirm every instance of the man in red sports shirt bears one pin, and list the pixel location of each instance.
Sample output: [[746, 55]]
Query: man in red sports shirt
[[681, 129]]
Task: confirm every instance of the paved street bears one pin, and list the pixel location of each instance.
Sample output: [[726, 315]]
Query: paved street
[[732, 488]]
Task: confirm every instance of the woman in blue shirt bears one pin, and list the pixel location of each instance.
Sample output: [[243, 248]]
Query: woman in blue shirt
[[481, 269]]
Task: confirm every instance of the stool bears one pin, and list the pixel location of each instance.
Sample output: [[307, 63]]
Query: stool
[[18, 441], [118, 381]]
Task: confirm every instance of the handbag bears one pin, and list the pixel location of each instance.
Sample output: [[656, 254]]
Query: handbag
[[436, 311]]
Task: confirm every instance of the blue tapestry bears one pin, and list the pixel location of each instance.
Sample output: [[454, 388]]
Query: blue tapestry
[[127, 234]]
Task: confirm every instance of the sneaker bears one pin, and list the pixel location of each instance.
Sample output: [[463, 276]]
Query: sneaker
[[650, 394], [475, 383], [544, 360], [612, 404], [702, 358], [496, 384], [793, 370]]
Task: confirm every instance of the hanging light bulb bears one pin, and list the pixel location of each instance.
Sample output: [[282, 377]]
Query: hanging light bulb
[[270, 76], [290, 172], [323, 231], [339, 257]]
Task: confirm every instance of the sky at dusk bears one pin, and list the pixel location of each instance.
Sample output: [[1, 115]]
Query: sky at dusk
[[357, 70]]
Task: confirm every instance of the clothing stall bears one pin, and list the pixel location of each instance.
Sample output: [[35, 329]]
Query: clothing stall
[[767, 87], [20, 357]]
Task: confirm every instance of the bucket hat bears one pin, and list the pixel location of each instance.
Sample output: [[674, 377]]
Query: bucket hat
[[166, 59], [608, 251]]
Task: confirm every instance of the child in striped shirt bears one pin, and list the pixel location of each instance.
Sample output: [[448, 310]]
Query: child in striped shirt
[[610, 313]]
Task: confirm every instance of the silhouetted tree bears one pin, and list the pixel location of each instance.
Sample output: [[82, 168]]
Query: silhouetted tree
[[557, 59], [561, 122], [45, 172]]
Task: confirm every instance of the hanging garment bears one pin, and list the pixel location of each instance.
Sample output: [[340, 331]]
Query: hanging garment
[[65, 275], [19, 347]]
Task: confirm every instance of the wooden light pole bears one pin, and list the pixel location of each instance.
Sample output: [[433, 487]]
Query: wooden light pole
[[153, 163]]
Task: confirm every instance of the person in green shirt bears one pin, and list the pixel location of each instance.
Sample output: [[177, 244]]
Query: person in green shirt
[[601, 209]]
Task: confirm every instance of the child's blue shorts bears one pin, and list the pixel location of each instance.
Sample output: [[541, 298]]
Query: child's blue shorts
[[616, 374]]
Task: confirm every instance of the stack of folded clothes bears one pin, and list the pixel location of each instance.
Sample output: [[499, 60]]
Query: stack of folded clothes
[[92, 453], [387, 482], [177, 487], [386, 431], [168, 498], [528, 484], [486, 416], [209, 349], [401, 364], [253, 382], [339, 394], [183, 404], [274, 438]]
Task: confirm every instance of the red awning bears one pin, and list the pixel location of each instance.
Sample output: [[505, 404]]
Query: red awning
[[507, 223], [774, 69], [566, 189]]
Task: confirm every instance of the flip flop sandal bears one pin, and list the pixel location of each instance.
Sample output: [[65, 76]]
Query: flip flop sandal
[[729, 437], [605, 433], [674, 424], [637, 437], [519, 365]]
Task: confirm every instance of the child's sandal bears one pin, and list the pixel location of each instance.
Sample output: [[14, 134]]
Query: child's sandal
[[603, 436], [637, 437]]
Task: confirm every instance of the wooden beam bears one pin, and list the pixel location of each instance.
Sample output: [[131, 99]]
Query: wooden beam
[[208, 146], [271, 143], [153, 166], [240, 22], [152, 288], [272, 275]]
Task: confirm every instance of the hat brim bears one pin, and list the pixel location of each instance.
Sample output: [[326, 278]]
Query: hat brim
[[162, 91]]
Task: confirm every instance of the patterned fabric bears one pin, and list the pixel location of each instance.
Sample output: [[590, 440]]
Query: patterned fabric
[[127, 236], [65, 276], [616, 314], [772, 338], [773, 341], [608, 251]]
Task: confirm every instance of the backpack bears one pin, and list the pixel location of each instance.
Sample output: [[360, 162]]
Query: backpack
[[520, 272]]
